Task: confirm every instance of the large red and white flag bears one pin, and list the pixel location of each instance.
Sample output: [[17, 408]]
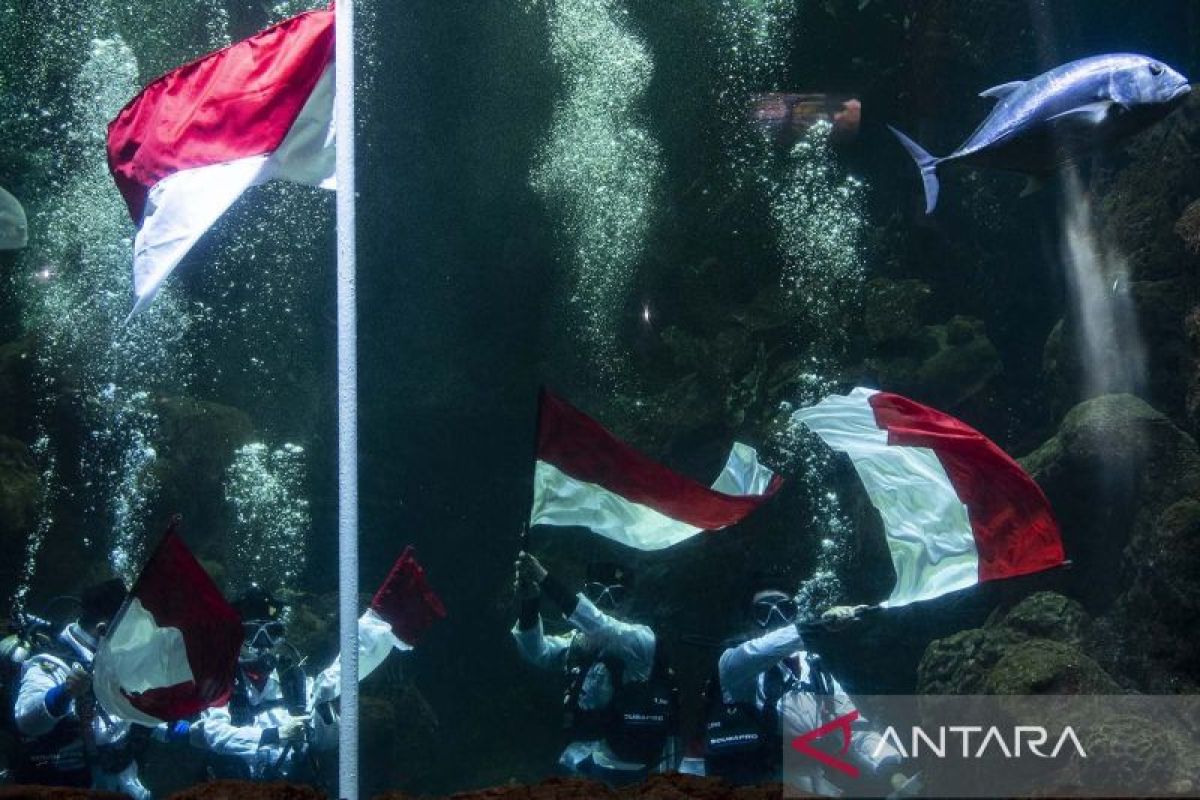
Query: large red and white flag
[[587, 477], [956, 509], [195, 139], [172, 649], [402, 610]]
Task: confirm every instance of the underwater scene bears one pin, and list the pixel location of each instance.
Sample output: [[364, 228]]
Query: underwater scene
[[755, 398]]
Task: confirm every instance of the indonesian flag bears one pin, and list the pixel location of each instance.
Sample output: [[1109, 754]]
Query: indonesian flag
[[196, 138], [172, 649], [956, 509], [403, 609], [587, 477]]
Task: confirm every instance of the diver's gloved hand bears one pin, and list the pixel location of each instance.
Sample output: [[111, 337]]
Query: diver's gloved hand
[[291, 730], [841, 616], [525, 584], [79, 681], [530, 569], [526, 589]]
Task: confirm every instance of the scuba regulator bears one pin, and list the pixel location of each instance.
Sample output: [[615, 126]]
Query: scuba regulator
[[27, 635]]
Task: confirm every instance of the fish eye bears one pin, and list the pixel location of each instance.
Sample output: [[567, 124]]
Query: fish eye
[[1156, 69]]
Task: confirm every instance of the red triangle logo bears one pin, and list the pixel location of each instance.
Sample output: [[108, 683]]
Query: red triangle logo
[[803, 744]]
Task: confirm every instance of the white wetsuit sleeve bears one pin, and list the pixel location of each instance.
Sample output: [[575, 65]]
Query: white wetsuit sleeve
[[32, 716], [223, 737], [739, 667], [632, 643], [539, 649]]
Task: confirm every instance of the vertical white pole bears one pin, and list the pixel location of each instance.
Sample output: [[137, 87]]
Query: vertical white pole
[[347, 366]]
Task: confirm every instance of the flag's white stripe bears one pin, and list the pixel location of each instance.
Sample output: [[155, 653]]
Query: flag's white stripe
[[559, 499], [743, 474], [138, 655], [182, 207], [928, 529]]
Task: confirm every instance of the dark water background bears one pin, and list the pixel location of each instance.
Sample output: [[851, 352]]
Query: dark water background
[[463, 280]]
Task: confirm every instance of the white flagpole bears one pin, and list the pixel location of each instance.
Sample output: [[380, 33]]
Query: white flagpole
[[347, 366]]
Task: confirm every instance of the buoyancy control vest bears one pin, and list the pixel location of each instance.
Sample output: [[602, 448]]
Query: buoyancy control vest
[[640, 717], [742, 740], [737, 746]]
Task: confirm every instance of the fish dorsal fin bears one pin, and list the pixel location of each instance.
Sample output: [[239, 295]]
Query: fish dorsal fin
[[1092, 113], [1002, 91]]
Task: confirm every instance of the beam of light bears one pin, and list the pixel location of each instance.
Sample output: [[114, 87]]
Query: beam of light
[[1102, 310]]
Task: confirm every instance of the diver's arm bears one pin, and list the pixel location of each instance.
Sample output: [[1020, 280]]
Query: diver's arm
[[634, 644], [530, 613], [739, 667], [324, 726], [323, 718], [42, 699], [221, 736], [539, 649]]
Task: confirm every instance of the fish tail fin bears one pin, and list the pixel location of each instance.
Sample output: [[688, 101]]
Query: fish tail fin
[[928, 166]]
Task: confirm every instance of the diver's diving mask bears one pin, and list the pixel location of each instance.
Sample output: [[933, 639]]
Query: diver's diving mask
[[262, 635], [605, 596], [775, 610]]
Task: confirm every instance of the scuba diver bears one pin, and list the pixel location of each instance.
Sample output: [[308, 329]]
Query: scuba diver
[[66, 739], [274, 723], [622, 703], [770, 690]]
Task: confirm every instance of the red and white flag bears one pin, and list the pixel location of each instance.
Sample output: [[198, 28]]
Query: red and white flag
[[172, 649], [956, 509], [403, 609], [587, 477], [195, 139]]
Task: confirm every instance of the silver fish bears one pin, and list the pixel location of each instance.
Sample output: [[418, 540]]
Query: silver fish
[[1040, 124], [14, 231]]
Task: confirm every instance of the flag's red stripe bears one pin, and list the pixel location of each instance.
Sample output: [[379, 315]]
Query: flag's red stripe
[[179, 593], [235, 103], [580, 447], [1013, 524]]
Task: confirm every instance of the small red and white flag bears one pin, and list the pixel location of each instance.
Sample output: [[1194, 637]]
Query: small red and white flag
[[172, 649], [588, 478], [957, 510], [403, 609], [195, 139]]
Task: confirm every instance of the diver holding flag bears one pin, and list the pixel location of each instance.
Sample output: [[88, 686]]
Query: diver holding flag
[[65, 738], [771, 692], [621, 700], [279, 720]]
